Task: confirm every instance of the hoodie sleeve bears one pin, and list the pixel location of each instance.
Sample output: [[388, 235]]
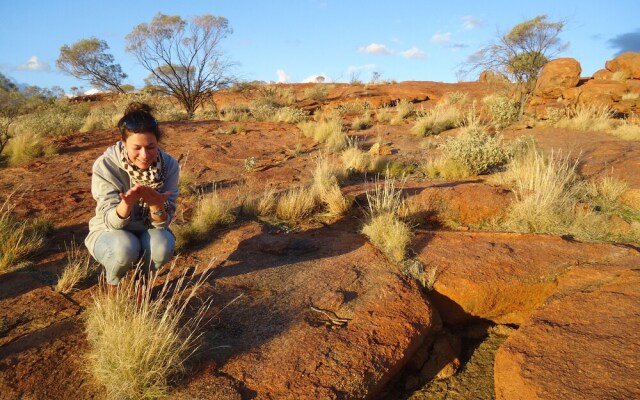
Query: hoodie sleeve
[[106, 186]]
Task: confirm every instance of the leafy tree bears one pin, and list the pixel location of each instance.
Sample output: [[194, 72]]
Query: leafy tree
[[520, 54], [183, 57], [87, 60]]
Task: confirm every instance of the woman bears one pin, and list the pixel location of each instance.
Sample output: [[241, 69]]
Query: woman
[[135, 185]]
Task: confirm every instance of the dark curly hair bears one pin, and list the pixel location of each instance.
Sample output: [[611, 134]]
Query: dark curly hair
[[137, 118]]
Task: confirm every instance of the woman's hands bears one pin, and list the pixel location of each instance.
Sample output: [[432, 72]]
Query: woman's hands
[[152, 197]]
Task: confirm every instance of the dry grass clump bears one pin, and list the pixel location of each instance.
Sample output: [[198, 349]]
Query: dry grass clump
[[77, 268], [317, 92], [587, 117], [384, 227], [627, 131], [503, 110], [19, 239], [260, 206], [551, 198], [361, 122], [384, 114], [440, 118], [291, 115], [356, 160], [403, 110], [546, 191], [25, 147], [630, 96], [326, 189], [295, 204], [138, 348], [235, 113], [328, 131], [621, 76], [211, 211]]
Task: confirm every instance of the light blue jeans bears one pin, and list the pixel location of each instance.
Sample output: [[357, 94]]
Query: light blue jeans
[[119, 250]]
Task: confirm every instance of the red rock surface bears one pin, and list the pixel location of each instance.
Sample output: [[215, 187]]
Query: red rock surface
[[584, 345], [556, 76]]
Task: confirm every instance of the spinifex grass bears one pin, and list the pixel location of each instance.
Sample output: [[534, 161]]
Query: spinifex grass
[[139, 341]]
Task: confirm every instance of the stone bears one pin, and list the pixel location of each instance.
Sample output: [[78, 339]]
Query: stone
[[556, 76], [628, 62], [580, 346]]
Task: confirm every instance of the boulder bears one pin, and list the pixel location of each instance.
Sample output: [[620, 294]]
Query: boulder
[[596, 91], [581, 345], [603, 74], [504, 277], [556, 76], [628, 62]]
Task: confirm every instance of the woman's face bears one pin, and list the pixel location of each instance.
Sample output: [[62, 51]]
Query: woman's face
[[142, 149]]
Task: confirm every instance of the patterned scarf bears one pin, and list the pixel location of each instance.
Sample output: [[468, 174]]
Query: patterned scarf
[[152, 177]]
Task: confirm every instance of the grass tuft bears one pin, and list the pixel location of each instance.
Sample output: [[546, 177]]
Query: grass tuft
[[78, 268], [139, 341]]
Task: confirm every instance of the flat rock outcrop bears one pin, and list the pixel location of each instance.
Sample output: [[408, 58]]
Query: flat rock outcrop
[[318, 319], [582, 345], [505, 277]]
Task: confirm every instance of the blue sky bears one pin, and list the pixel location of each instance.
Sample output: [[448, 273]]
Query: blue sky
[[280, 40]]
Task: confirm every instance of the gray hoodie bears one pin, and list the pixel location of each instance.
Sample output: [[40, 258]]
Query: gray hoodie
[[108, 181]]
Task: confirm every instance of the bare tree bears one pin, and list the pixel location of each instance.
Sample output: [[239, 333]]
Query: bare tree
[[87, 60], [184, 58], [520, 54]]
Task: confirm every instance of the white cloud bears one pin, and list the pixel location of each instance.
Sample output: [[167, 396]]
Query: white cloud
[[317, 77], [470, 22], [92, 91], [441, 37], [357, 68], [34, 64], [283, 77], [375, 48], [414, 53]]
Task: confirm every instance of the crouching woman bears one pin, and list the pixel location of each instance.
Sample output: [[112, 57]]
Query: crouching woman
[[135, 185]]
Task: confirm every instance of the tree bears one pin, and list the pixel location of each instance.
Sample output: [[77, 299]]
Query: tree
[[520, 54], [184, 58], [7, 83], [87, 60], [11, 102]]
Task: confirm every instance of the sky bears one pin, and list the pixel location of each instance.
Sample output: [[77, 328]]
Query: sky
[[297, 40]]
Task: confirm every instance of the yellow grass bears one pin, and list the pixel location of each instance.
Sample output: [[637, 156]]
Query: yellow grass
[[19, 239], [440, 118], [627, 131], [212, 211], [295, 204], [589, 117], [328, 131], [389, 234], [77, 268], [138, 348]]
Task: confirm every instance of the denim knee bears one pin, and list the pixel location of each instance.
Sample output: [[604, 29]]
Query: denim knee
[[117, 251], [158, 246]]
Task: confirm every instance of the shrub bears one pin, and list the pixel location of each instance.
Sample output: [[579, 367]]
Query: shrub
[[291, 115], [77, 268], [317, 92], [362, 122], [57, 119], [476, 151], [455, 98], [503, 110], [137, 348]]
